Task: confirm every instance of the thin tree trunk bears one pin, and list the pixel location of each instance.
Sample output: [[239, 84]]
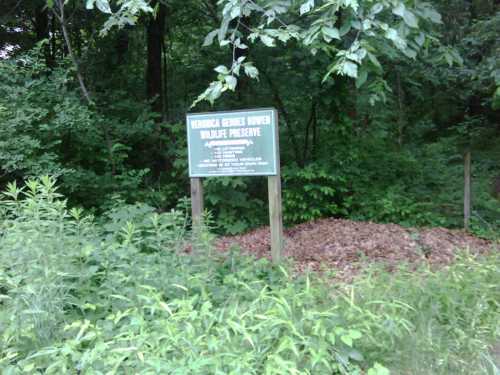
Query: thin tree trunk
[[238, 53], [310, 123], [156, 80], [53, 39], [286, 117], [41, 25], [314, 149], [121, 46], [62, 20], [155, 38], [165, 112], [401, 119], [467, 189], [61, 17]]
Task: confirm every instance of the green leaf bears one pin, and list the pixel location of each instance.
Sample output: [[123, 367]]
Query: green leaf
[[496, 100], [412, 54], [431, 14], [393, 35], [239, 44], [352, 3], [215, 92], [377, 8], [410, 19], [331, 32], [235, 12], [420, 39], [209, 39], [399, 10], [355, 334], [103, 6], [378, 369], [363, 75], [306, 7], [350, 69], [251, 70], [231, 82], [221, 34], [345, 28], [346, 339], [373, 59], [222, 69], [449, 59], [357, 356], [267, 40]]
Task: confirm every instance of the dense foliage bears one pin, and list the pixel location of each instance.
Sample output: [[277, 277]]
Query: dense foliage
[[378, 101], [120, 296]]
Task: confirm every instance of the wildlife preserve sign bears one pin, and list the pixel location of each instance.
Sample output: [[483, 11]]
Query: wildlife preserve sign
[[236, 143], [239, 143]]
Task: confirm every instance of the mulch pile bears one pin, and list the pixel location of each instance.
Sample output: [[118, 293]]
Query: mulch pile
[[346, 245]]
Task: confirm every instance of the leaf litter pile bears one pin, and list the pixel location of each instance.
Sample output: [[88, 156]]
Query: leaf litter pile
[[345, 245]]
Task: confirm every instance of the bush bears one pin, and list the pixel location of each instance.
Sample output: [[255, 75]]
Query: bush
[[313, 192], [120, 296], [428, 322], [77, 297], [46, 129], [236, 202]]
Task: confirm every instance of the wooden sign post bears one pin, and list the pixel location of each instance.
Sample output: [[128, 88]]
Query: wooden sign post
[[275, 217], [236, 143], [197, 201]]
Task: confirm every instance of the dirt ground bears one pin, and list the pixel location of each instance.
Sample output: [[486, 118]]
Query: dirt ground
[[346, 245]]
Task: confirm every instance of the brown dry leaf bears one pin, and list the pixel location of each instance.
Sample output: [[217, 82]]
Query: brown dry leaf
[[346, 245]]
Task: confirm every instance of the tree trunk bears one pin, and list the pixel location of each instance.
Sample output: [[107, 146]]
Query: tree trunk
[[53, 39], [401, 114], [315, 137], [41, 25], [156, 84], [121, 46], [467, 189], [154, 76], [310, 123], [282, 110], [241, 52], [62, 20]]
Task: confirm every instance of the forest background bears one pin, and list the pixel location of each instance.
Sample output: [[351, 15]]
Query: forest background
[[378, 103]]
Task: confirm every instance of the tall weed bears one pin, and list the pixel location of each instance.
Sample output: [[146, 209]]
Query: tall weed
[[431, 322], [121, 297]]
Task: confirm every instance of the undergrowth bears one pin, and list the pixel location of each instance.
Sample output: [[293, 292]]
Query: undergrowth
[[431, 322], [119, 295]]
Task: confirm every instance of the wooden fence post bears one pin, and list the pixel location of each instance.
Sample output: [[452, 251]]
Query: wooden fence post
[[467, 189]]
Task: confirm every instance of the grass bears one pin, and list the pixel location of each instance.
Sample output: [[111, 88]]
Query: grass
[[433, 322]]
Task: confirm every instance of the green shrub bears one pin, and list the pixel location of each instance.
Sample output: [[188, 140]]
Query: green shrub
[[119, 297], [313, 192], [236, 202], [394, 206], [431, 322], [46, 129]]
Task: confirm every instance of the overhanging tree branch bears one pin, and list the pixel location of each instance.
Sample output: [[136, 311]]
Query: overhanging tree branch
[[58, 11]]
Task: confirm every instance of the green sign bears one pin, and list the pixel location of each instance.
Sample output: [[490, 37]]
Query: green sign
[[236, 143]]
